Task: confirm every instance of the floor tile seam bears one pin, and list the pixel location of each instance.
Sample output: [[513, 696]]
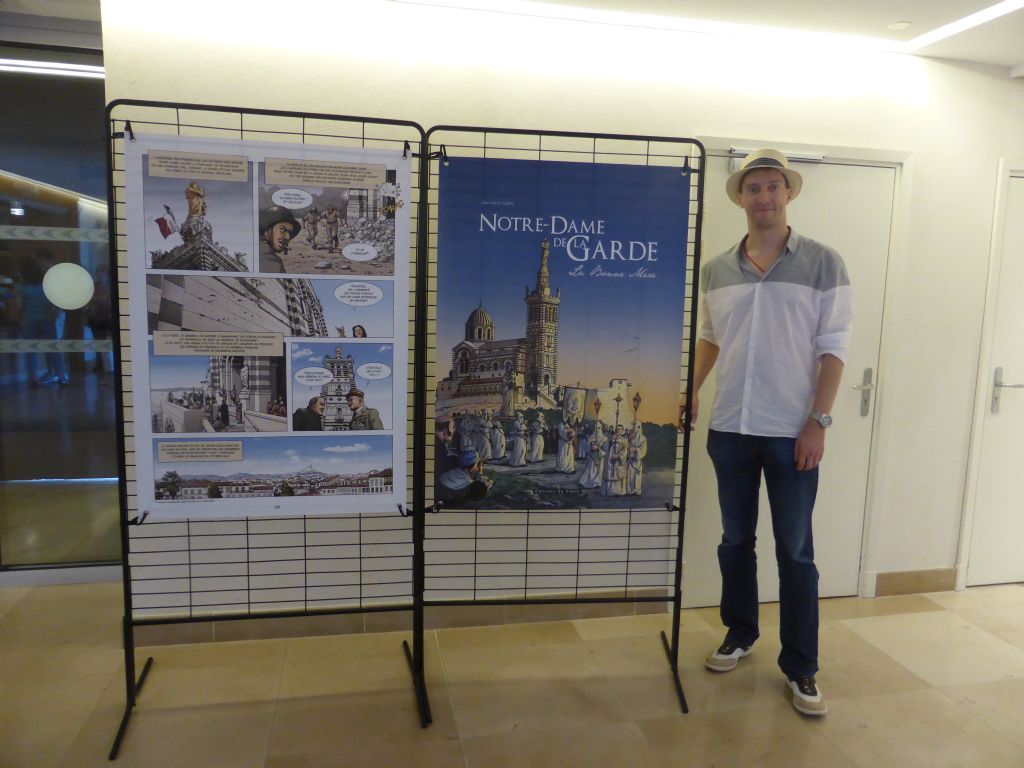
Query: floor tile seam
[[432, 633], [1016, 739], [1014, 649], [117, 677]]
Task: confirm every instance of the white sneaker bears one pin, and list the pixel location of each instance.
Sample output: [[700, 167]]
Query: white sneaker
[[807, 698], [726, 657]]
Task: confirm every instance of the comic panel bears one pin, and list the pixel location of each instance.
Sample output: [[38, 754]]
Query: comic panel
[[198, 211], [327, 218], [213, 470], [326, 308], [235, 387], [340, 388]]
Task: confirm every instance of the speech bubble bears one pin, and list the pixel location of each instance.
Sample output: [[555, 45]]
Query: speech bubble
[[359, 252], [292, 198], [358, 294], [374, 371], [313, 377]]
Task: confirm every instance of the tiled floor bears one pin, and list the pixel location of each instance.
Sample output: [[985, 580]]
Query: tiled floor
[[923, 680]]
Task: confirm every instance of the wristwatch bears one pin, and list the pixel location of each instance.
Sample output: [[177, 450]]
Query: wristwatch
[[822, 418]]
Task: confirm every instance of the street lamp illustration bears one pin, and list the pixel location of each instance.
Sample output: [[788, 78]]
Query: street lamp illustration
[[636, 405]]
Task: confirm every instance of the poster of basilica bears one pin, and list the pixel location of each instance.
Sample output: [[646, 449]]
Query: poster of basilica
[[268, 324], [559, 333]]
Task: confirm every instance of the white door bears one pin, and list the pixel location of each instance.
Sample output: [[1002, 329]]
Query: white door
[[848, 207], [997, 534]]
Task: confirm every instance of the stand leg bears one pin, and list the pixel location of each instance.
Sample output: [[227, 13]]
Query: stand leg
[[673, 660], [135, 688], [420, 686]]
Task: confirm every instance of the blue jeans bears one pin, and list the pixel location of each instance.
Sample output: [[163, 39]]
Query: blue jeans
[[739, 461]]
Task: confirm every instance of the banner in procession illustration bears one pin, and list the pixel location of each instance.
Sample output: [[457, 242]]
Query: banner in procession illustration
[[559, 333], [268, 326]]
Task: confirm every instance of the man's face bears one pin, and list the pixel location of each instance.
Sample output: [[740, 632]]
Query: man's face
[[355, 402], [318, 407], [764, 197], [279, 236]]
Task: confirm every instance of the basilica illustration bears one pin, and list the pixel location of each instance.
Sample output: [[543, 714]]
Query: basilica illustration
[[506, 374], [337, 415]]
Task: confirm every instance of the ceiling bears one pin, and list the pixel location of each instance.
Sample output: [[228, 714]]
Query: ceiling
[[75, 23]]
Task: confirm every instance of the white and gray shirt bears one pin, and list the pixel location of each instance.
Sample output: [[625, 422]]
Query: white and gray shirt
[[771, 331]]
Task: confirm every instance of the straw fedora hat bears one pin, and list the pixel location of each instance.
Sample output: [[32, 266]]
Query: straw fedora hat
[[763, 158]]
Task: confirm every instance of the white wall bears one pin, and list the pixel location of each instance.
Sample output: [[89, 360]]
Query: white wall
[[434, 66]]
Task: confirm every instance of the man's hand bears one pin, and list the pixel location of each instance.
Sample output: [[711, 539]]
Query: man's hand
[[810, 446], [691, 422]]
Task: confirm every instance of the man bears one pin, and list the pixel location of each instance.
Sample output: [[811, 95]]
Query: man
[[565, 459], [635, 456], [615, 465], [445, 452], [517, 435], [331, 220], [776, 317], [362, 417], [278, 227], [310, 418], [465, 483], [311, 221]]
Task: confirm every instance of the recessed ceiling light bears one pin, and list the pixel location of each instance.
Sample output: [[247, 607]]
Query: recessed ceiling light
[[898, 25]]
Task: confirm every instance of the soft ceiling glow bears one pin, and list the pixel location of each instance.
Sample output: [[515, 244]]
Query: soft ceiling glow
[[650, 21], [626, 19], [51, 68], [962, 25]]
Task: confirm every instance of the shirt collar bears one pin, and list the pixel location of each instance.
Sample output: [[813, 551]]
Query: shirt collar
[[792, 244]]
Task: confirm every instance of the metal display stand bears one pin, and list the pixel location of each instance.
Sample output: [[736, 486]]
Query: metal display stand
[[483, 557], [175, 572]]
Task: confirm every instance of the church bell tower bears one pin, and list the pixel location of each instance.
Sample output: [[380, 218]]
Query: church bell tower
[[542, 329]]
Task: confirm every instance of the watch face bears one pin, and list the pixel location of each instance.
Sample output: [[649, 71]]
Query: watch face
[[825, 420]]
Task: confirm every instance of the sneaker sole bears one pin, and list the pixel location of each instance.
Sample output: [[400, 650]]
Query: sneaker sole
[[804, 707], [724, 665]]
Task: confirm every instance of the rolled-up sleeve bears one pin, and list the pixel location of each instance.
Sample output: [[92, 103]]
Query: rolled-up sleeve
[[835, 321]]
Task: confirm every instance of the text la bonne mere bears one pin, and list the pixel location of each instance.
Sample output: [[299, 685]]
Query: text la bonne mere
[[577, 244]]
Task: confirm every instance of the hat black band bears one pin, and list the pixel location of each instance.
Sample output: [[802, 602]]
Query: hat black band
[[765, 161]]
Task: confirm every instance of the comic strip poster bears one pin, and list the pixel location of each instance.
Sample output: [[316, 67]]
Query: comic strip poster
[[559, 333], [268, 321]]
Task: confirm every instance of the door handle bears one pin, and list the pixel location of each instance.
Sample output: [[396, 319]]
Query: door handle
[[866, 388], [997, 386]]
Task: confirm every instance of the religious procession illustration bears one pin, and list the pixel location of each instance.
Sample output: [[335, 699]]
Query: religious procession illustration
[[559, 334], [510, 434]]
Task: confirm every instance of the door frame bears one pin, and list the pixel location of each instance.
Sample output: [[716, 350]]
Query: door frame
[[896, 282], [1008, 167]]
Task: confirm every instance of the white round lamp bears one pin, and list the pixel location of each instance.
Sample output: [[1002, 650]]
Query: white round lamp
[[67, 285]]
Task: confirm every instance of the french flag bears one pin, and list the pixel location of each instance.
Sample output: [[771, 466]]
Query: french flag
[[167, 223]]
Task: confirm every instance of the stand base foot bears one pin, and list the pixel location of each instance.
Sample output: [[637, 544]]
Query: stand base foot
[[129, 706], [420, 686], [675, 673]]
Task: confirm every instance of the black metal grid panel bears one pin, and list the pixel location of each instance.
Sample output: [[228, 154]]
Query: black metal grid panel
[[184, 570], [478, 556]]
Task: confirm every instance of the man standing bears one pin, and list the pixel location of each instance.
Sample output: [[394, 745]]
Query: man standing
[[776, 317], [311, 222], [363, 418]]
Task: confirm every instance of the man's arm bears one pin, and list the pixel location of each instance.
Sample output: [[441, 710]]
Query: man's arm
[[810, 443], [704, 359]]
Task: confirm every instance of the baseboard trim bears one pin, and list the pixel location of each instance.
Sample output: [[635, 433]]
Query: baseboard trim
[[912, 582]]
